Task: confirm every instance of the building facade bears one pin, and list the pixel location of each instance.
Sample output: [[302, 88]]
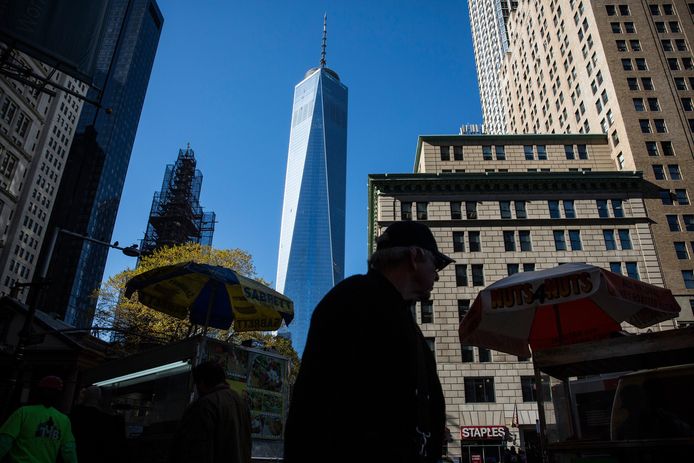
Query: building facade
[[500, 205], [90, 191], [36, 129], [625, 69], [312, 238], [176, 216], [490, 41]]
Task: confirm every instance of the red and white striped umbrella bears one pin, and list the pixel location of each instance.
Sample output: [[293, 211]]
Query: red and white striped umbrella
[[567, 304]]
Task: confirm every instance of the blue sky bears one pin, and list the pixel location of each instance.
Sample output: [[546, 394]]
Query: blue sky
[[223, 80]]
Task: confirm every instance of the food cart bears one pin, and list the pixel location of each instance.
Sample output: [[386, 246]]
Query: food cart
[[150, 390], [641, 383]]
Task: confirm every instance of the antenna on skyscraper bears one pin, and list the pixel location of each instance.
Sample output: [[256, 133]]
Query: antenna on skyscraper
[[325, 39]]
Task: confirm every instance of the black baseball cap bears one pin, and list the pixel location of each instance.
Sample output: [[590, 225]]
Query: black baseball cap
[[409, 233]]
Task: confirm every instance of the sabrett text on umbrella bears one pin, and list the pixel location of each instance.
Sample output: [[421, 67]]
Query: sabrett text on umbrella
[[551, 289], [266, 298]]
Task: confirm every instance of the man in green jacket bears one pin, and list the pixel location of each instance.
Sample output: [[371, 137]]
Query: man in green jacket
[[217, 426], [36, 433]]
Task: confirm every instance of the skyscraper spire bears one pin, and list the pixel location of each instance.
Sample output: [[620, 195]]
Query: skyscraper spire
[[325, 38]]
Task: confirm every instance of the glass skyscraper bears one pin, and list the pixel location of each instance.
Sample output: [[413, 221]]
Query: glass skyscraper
[[90, 190], [312, 241]]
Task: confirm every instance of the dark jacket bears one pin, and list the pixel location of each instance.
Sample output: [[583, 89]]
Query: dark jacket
[[355, 394], [100, 437], [215, 428]]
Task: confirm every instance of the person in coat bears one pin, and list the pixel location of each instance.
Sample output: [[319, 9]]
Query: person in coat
[[217, 426], [367, 389]]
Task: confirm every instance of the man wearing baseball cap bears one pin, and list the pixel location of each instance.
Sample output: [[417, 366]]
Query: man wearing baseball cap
[[36, 433], [368, 389]]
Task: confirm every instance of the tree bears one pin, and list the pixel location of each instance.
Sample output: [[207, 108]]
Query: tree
[[135, 323]]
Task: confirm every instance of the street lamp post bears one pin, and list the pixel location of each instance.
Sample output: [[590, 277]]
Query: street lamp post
[[39, 281]]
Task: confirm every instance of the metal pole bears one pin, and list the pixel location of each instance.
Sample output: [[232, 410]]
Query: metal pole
[[541, 413]]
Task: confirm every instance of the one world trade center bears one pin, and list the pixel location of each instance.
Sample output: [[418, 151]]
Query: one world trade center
[[312, 239]]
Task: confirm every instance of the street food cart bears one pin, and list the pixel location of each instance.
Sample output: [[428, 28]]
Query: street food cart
[[150, 390], [645, 410]]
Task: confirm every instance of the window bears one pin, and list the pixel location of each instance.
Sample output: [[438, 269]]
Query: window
[[474, 241], [632, 270], [674, 171], [667, 148], [680, 83], [445, 153], [456, 213], [682, 197], [569, 210], [521, 213], [610, 243], [681, 45], [509, 241], [431, 344], [611, 10], [645, 125], [427, 311], [487, 152], [635, 45], [467, 353], [617, 208], [575, 238], [598, 106], [638, 104], [660, 27], [629, 28], [681, 250], [655, 10], [652, 148], [626, 64], [673, 222], [667, 9], [461, 275], [624, 10], [647, 83], [688, 277], [512, 269], [529, 153], [530, 267], [471, 209], [406, 211], [653, 105], [559, 240], [530, 391], [632, 83], [569, 151], [458, 241], [688, 220], [554, 209], [505, 209], [525, 241], [673, 64], [666, 44], [484, 354], [621, 45], [616, 267], [625, 239], [458, 153], [477, 275], [463, 307], [687, 104], [542, 152], [616, 28], [500, 153], [660, 126], [658, 172], [666, 197], [479, 389], [674, 26], [422, 210]]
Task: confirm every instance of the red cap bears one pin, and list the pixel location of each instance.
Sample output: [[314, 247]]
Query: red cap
[[51, 382]]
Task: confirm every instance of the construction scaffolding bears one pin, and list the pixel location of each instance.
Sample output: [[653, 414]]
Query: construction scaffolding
[[176, 216]]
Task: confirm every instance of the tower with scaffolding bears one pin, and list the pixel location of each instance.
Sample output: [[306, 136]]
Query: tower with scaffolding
[[176, 216]]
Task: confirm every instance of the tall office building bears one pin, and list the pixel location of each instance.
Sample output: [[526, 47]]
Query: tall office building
[[626, 69], [490, 41], [36, 130], [312, 240], [92, 183], [498, 205], [176, 216]]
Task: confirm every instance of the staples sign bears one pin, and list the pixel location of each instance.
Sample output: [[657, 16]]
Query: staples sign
[[482, 432]]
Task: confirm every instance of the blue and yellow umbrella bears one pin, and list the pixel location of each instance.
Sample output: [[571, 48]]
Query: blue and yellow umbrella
[[211, 296]]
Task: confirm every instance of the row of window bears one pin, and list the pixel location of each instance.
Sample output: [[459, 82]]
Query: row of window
[[530, 152], [507, 209], [481, 389], [678, 196], [656, 9]]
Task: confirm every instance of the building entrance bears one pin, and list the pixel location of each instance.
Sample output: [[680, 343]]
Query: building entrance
[[481, 454]]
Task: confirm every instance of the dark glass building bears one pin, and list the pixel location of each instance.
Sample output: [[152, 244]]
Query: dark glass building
[[312, 240], [90, 190], [176, 216]]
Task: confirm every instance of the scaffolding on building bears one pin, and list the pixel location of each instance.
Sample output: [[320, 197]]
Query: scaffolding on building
[[176, 216]]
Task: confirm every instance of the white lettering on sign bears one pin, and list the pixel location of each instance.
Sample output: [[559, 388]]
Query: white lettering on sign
[[482, 432]]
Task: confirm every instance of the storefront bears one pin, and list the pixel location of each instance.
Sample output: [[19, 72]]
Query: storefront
[[483, 444]]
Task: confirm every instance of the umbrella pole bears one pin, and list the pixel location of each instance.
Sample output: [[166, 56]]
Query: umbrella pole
[[540, 412], [209, 310]]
